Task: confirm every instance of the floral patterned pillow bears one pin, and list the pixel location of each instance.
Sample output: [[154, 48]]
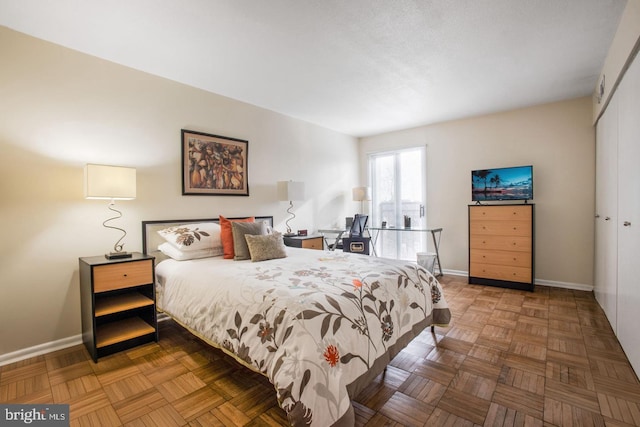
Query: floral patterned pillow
[[265, 247], [193, 237]]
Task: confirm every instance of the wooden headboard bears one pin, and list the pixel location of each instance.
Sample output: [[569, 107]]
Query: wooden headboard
[[151, 239]]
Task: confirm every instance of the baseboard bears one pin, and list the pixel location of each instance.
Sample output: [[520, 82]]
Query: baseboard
[[540, 282], [40, 349], [455, 272], [565, 285]]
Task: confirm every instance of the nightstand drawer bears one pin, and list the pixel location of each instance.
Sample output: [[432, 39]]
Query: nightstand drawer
[[314, 243], [122, 275], [306, 242]]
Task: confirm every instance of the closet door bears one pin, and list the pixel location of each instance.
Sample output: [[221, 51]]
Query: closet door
[[628, 223], [606, 256]]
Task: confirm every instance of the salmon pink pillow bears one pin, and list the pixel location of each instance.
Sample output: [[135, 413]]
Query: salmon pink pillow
[[226, 235]]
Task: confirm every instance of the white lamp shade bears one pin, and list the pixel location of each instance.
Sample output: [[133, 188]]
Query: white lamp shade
[[109, 182], [290, 190], [361, 193]]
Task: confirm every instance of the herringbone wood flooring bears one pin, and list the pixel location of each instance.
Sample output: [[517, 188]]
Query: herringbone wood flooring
[[509, 358]]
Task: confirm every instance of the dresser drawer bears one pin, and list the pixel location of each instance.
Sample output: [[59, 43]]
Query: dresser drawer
[[511, 274], [502, 243], [501, 228], [500, 213], [122, 275], [506, 258]]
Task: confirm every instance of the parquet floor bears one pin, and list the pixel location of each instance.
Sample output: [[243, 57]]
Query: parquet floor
[[547, 358]]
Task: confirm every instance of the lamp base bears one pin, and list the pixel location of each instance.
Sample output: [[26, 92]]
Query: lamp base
[[117, 255]]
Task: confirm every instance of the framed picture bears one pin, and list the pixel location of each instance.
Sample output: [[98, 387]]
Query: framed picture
[[214, 165]]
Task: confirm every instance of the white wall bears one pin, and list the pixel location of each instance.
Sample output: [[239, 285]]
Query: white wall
[[623, 44], [558, 139], [60, 109]]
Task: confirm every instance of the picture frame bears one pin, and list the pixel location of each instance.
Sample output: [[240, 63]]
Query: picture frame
[[214, 165]]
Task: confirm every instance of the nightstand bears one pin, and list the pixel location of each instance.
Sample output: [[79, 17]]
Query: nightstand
[[118, 303], [307, 242]]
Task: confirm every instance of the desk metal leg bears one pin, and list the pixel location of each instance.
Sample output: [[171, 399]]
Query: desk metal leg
[[335, 244], [373, 240], [436, 243]]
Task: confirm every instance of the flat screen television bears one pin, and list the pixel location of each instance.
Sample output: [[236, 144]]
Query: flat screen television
[[513, 183]]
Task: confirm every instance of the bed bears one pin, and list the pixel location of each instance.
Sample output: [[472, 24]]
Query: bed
[[319, 324]]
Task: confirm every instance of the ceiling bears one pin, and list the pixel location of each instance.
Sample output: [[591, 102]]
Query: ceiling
[[360, 67]]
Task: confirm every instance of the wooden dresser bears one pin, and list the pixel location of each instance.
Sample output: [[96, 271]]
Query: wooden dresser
[[501, 245]]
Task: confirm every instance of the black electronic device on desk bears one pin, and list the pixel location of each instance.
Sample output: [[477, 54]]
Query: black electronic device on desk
[[356, 242]]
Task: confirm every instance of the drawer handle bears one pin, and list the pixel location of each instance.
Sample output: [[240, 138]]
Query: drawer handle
[[626, 223], [125, 274]]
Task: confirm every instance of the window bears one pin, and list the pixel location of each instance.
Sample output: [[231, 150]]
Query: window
[[398, 187]]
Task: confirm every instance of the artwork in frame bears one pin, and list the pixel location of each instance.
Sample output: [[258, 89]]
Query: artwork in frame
[[214, 165]]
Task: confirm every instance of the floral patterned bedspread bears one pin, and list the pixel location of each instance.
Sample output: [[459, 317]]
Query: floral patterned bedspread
[[318, 324]]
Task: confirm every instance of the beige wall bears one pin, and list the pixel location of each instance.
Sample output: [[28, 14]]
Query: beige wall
[[557, 139], [60, 109]]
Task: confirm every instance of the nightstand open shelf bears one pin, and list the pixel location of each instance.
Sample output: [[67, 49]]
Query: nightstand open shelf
[[117, 303], [122, 330]]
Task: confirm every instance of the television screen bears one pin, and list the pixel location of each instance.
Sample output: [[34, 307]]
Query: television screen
[[514, 183]]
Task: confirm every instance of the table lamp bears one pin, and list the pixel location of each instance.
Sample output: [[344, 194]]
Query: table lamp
[[111, 183], [290, 191], [361, 194]]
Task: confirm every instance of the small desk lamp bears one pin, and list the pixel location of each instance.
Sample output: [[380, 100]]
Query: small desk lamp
[[361, 194], [290, 191], [111, 183]]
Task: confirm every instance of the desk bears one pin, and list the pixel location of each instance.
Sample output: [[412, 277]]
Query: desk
[[435, 235]]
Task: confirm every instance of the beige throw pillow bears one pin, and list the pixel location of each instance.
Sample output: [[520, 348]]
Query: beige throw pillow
[[268, 246]]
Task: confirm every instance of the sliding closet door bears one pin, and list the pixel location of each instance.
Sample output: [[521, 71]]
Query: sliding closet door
[[629, 214], [606, 256]]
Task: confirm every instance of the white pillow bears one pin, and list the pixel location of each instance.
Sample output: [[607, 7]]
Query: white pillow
[[170, 251], [193, 237]]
